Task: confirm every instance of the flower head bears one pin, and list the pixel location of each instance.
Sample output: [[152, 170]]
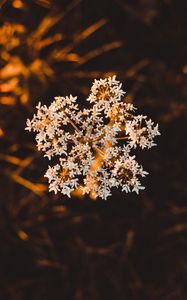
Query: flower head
[[93, 146]]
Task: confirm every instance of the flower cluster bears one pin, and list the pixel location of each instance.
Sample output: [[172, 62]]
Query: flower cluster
[[94, 145]]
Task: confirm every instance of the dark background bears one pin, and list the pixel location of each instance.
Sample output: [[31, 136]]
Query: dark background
[[129, 247]]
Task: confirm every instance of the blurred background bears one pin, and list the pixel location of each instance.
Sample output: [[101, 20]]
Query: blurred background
[[129, 247]]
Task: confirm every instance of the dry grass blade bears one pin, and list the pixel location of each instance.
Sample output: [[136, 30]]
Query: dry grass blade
[[7, 100], [62, 53], [100, 51], [44, 3], [17, 161], [36, 188], [49, 21], [133, 70], [14, 68], [48, 41], [89, 74], [49, 264], [9, 86], [176, 229], [2, 2]]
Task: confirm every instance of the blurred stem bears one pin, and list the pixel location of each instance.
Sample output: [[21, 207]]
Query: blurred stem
[[122, 138], [72, 123]]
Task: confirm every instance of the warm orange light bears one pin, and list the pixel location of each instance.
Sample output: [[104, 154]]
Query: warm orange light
[[24, 98], [1, 132], [23, 235], [184, 69], [93, 195], [78, 192], [7, 100], [97, 162], [17, 4], [9, 85]]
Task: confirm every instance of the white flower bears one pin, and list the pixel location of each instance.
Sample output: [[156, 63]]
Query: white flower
[[93, 146]]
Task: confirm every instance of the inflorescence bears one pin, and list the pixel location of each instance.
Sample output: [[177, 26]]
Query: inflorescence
[[93, 145]]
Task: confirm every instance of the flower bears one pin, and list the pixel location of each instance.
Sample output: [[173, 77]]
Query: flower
[[93, 146]]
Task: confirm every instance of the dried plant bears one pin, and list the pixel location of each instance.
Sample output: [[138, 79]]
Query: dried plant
[[90, 157], [32, 58]]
